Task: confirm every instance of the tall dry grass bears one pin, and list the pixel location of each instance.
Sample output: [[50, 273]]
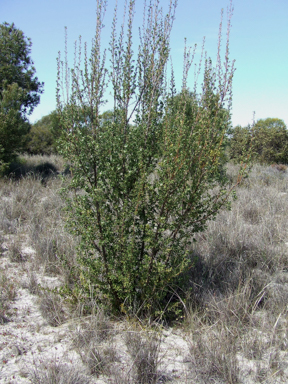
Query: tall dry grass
[[239, 286]]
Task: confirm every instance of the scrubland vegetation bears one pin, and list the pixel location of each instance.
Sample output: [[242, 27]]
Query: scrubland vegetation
[[234, 318], [127, 260]]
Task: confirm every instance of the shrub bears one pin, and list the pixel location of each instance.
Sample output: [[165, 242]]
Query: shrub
[[19, 91], [268, 139], [240, 142], [13, 127], [271, 141], [41, 140], [148, 178]]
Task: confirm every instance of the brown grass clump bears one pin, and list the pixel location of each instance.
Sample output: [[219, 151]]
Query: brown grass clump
[[280, 167], [51, 308], [8, 292], [93, 340], [144, 350], [51, 372]]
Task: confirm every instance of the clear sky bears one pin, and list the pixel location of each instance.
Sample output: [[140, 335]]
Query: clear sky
[[258, 43]]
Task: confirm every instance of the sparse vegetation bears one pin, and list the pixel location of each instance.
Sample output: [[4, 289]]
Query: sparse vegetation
[[236, 293], [51, 372], [8, 292], [144, 350], [132, 250]]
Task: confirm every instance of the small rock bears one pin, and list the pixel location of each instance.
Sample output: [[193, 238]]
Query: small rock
[[16, 351]]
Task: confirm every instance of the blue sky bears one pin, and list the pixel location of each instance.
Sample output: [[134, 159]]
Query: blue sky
[[258, 43]]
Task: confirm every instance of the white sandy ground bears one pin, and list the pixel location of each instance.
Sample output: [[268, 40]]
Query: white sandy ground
[[27, 340]]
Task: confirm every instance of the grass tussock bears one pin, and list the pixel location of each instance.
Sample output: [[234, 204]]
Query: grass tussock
[[144, 351], [8, 293], [93, 340], [239, 286], [28, 207], [213, 354], [51, 372], [51, 308]]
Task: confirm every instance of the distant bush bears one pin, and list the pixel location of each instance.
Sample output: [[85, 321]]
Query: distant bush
[[41, 140], [239, 142], [19, 92], [268, 140]]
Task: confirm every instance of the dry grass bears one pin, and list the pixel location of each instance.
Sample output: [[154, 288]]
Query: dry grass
[[144, 350], [28, 207], [213, 354], [8, 292], [239, 285], [238, 289], [14, 252], [51, 308], [51, 372], [93, 340]]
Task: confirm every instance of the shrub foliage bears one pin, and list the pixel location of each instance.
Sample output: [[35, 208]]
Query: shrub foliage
[[148, 175], [43, 135], [268, 139], [19, 91]]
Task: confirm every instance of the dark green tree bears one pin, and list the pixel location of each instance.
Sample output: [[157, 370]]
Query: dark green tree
[[267, 139], [19, 90], [239, 142], [43, 135], [270, 143]]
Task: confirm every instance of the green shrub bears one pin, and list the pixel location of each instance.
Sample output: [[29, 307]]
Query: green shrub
[[268, 139], [19, 92], [41, 140], [13, 127], [240, 142], [147, 178]]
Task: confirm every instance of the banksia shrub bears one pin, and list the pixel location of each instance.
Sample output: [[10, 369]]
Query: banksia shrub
[[147, 178]]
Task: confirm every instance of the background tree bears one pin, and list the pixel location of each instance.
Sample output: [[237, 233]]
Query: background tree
[[239, 142], [270, 142], [19, 90], [43, 135], [147, 179], [13, 127], [268, 139]]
